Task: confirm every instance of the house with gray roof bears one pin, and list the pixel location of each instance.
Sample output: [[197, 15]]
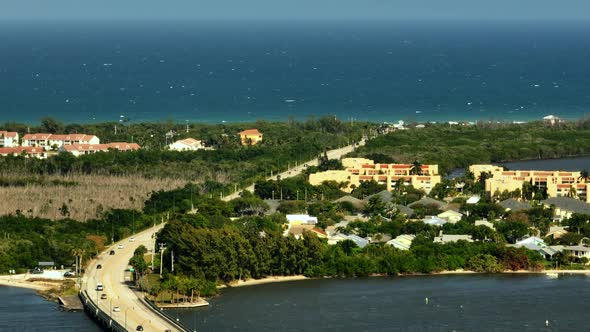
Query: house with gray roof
[[425, 201], [514, 205], [566, 206], [448, 238]]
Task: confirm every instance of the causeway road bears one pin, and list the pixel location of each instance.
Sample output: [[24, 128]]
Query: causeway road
[[132, 310]]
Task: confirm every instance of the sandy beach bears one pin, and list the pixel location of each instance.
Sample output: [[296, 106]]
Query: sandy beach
[[24, 281], [267, 280]]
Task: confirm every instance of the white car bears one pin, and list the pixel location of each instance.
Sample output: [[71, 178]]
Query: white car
[[120, 246], [132, 239], [116, 309]]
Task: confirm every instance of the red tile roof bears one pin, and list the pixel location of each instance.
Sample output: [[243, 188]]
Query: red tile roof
[[11, 134]]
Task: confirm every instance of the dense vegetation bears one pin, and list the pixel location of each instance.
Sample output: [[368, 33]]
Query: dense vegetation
[[230, 162], [453, 146]]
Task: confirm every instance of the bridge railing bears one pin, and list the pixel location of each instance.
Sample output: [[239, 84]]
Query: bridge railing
[[99, 315]]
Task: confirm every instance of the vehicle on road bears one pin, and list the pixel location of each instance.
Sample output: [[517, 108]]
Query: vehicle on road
[[132, 239], [37, 271], [116, 309], [139, 328], [99, 287], [98, 267], [103, 296], [112, 252], [120, 246], [69, 274]]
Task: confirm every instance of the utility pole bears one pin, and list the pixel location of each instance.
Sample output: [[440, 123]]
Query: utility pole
[[186, 126], [162, 247], [172, 260]]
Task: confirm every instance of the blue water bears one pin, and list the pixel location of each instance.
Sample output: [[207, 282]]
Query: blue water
[[456, 303], [242, 71]]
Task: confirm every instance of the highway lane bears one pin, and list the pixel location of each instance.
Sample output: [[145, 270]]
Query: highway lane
[[119, 294], [112, 273]]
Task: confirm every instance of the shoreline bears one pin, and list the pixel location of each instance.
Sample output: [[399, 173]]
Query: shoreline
[[37, 285], [277, 279]]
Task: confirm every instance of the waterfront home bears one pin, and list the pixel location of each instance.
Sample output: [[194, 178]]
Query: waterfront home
[[484, 222], [27, 151], [451, 216], [250, 136], [402, 242], [448, 238], [511, 204], [8, 139], [359, 170], [187, 144], [435, 221], [359, 241], [546, 251], [57, 140], [564, 207], [577, 251], [84, 149]]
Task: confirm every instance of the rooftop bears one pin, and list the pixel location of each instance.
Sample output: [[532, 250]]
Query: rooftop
[[569, 204]]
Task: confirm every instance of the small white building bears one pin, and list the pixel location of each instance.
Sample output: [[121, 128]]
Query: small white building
[[485, 223], [577, 251], [531, 240], [551, 119], [444, 238], [451, 216], [187, 144], [434, 221], [402, 242]]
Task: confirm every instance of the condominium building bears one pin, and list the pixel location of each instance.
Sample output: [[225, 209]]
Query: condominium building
[[83, 149], [49, 140], [8, 139], [28, 151], [358, 170], [557, 183]]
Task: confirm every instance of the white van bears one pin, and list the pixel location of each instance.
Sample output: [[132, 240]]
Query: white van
[[99, 287]]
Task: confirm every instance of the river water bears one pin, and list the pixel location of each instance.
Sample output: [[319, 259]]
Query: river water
[[23, 310], [455, 303]]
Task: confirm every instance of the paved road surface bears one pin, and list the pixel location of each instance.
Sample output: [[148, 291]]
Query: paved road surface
[[332, 154], [112, 273], [112, 276]]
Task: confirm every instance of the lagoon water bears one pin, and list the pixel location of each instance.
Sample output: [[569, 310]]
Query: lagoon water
[[23, 310], [455, 303], [242, 71]]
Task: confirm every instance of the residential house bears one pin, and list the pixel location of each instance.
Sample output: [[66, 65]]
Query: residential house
[[359, 241], [556, 232], [428, 201], [565, 207], [48, 141], [434, 221], [8, 139], [359, 170], [484, 222], [250, 137], [534, 240], [451, 216], [577, 251], [28, 151], [514, 205], [356, 203], [402, 242], [294, 220], [551, 120], [187, 144], [448, 238]]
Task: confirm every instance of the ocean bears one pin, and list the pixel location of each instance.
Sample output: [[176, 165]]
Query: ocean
[[270, 70]]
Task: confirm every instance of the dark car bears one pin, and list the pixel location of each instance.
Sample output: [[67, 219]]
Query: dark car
[[139, 328], [37, 271], [112, 252], [99, 267], [69, 274], [103, 296]]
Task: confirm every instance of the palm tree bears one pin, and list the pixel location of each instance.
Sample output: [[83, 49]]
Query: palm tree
[[416, 168], [584, 175]]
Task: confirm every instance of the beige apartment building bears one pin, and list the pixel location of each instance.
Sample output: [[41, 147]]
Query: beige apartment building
[[558, 183], [358, 170]]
